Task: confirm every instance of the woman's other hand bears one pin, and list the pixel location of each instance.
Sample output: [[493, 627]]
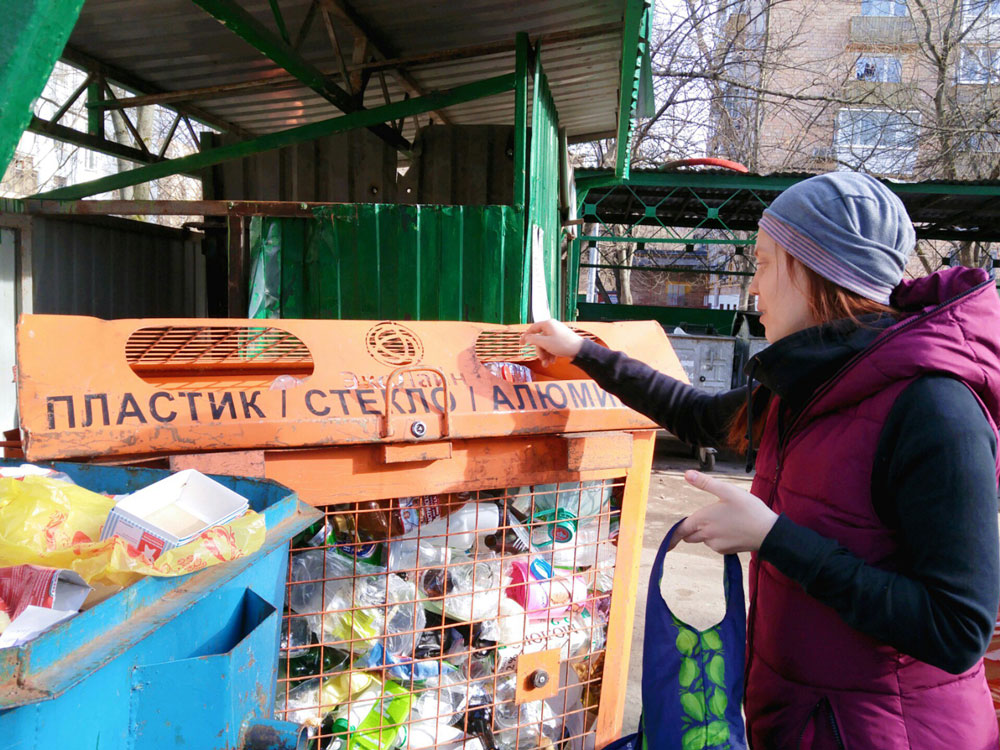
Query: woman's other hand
[[552, 339], [737, 523]]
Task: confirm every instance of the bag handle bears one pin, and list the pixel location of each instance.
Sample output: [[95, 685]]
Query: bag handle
[[733, 579]]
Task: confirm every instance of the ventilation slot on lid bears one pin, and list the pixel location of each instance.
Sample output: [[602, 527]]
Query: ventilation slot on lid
[[505, 346], [178, 350]]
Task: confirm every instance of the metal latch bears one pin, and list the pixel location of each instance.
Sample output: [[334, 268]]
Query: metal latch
[[418, 428], [537, 676]]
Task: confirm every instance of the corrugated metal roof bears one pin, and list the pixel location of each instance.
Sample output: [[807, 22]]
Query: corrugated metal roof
[[175, 45]]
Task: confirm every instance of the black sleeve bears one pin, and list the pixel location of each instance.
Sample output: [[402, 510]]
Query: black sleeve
[[934, 480], [693, 416]]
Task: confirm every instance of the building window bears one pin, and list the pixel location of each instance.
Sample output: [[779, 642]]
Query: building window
[[973, 9], [979, 65], [879, 68], [981, 16], [984, 141], [886, 7], [878, 141]]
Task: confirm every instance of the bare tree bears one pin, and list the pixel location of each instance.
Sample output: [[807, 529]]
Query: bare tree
[[899, 88]]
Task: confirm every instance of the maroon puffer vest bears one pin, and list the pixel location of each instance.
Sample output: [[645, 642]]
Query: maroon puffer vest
[[813, 681]]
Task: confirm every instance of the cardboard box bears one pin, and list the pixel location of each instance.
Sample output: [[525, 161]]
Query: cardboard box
[[172, 512]]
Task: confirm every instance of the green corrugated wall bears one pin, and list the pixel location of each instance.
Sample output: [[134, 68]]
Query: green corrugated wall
[[543, 186], [387, 261]]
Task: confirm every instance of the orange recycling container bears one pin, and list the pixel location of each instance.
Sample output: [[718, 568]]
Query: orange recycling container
[[472, 582]]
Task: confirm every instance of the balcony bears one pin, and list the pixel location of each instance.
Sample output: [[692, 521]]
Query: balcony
[[876, 94], [883, 30]]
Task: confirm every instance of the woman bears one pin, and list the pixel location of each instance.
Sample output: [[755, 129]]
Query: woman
[[872, 519]]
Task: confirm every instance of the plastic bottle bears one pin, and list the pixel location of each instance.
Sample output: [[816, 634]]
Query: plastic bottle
[[579, 499], [465, 590], [414, 512], [553, 532], [364, 605], [437, 707], [350, 539], [510, 371], [516, 538], [458, 532], [520, 726], [370, 720]]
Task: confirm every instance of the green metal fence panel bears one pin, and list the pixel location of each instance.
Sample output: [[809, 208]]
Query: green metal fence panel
[[386, 261], [32, 37], [543, 195]]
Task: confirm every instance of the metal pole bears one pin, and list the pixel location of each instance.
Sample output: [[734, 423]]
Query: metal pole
[[592, 271]]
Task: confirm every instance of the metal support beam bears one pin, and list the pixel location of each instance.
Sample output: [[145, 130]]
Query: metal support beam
[[238, 266], [280, 21], [170, 135], [271, 46], [379, 46], [204, 92], [30, 39], [128, 124], [495, 48], [130, 81], [361, 119], [666, 269], [170, 208], [85, 140], [306, 27], [72, 98]]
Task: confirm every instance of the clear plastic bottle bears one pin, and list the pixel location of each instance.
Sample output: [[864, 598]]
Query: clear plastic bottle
[[433, 543], [466, 590], [510, 371], [364, 604], [520, 726], [437, 706]]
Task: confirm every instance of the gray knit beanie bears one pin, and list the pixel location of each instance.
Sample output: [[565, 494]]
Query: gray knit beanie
[[846, 226]]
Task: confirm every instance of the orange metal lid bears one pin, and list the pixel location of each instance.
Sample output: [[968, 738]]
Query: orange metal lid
[[90, 387]]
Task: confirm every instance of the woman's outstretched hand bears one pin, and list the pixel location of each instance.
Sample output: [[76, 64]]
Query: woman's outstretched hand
[[737, 523], [552, 339]]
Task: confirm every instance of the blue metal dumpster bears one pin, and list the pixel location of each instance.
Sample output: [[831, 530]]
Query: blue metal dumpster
[[168, 662]]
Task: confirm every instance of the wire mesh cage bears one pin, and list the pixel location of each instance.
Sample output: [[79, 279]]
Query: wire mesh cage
[[465, 620]]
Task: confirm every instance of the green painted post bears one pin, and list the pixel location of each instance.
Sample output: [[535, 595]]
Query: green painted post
[[32, 37], [95, 113], [627, 85], [362, 119], [520, 118]]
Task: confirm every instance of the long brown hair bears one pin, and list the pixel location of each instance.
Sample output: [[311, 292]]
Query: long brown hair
[[827, 302]]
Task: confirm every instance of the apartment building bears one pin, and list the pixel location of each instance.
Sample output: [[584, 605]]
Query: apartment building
[[902, 88]]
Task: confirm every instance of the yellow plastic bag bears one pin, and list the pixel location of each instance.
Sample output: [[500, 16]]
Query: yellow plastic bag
[[58, 524]]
